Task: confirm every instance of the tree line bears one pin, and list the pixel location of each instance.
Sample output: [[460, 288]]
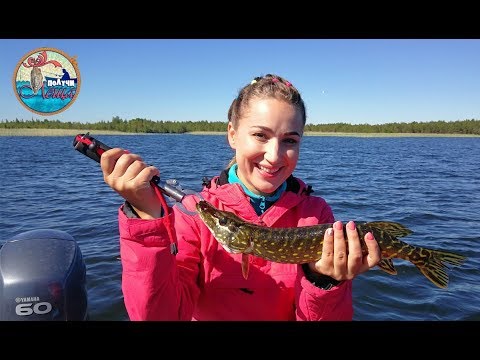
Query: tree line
[[137, 125]]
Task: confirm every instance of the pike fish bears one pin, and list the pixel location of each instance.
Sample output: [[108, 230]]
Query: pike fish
[[36, 79], [298, 245]]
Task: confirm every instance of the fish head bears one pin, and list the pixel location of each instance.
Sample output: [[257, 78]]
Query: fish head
[[226, 227]]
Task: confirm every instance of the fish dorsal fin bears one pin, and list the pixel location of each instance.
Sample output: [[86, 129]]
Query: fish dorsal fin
[[393, 228], [387, 266], [245, 265]]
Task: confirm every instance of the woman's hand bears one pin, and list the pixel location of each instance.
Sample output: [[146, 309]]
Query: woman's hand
[[130, 177], [343, 260]]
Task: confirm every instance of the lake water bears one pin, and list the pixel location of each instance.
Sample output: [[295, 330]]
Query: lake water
[[429, 184]]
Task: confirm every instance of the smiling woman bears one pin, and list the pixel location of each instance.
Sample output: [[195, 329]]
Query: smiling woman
[[203, 281]]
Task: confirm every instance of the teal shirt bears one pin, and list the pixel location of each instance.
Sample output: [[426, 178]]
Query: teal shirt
[[260, 203]]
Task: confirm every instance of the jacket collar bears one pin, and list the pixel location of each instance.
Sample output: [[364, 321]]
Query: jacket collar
[[232, 196], [293, 184]]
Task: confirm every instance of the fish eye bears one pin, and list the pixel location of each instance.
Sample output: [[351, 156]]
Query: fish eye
[[222, 221]]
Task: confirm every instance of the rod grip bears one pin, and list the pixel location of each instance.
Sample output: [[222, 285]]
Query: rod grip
[[89, 146], [94, 149]]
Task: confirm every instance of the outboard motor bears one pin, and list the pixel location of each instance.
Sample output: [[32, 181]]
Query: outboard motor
[[42, 277]]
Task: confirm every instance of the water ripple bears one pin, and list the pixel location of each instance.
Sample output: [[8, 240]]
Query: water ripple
[[430, 185]]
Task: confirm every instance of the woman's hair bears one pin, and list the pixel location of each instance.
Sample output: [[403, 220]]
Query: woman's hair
[[266, 87]]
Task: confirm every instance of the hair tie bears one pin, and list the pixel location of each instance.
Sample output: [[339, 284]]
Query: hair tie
[[255, 80], [288, 83], [274, 80]]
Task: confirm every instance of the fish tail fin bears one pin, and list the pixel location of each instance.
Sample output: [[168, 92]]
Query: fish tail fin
[[435, 269], [387, 266], [450, 257]]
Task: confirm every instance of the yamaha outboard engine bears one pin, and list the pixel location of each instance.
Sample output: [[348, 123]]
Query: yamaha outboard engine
[[42, 277]]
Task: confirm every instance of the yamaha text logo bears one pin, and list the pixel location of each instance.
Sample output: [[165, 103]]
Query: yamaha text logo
[[31, 305], [46, 81]]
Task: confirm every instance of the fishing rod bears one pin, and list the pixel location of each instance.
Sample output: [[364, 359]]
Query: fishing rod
[[94, 149]]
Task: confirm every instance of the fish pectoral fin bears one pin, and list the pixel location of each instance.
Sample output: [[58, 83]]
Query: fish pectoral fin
[[387, 266], [245, 265]]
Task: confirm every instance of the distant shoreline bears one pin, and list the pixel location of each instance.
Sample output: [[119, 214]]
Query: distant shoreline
[[58, 132], [73, 132]]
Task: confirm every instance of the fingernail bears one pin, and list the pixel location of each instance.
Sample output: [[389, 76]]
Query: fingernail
[[351, 225], [126, 151], [338, 225], [369, 236], [329, 231]]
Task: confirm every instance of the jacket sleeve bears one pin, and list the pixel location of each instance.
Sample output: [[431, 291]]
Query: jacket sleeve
[[156, 284], [315, 304]]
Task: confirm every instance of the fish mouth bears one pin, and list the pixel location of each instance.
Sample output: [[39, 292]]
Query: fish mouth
[[208, 213], [229, 249], [203, 206]]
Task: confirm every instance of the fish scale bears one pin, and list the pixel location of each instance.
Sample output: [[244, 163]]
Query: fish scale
[[298, 245]]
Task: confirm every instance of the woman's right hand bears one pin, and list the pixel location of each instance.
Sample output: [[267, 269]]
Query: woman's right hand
[[130, 177]]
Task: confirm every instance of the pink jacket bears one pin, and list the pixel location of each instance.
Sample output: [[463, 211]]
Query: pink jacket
[[204, 282]]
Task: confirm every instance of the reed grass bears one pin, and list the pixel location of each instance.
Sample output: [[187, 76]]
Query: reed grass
[[73, 132]]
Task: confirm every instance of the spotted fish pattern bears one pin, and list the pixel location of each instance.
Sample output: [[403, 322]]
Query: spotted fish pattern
[[298, 245], [36, 79]]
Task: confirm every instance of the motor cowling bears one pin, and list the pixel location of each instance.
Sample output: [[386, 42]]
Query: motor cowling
[[42, 278]]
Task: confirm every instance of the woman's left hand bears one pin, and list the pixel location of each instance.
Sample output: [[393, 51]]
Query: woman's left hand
[[343, 259]]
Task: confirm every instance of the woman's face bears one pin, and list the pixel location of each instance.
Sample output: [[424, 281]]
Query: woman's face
[[266, 144]]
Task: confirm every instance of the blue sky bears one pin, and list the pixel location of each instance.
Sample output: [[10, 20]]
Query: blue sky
[[356, 81]]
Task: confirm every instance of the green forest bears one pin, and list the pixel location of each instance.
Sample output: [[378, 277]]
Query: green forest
[[465, 127]]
